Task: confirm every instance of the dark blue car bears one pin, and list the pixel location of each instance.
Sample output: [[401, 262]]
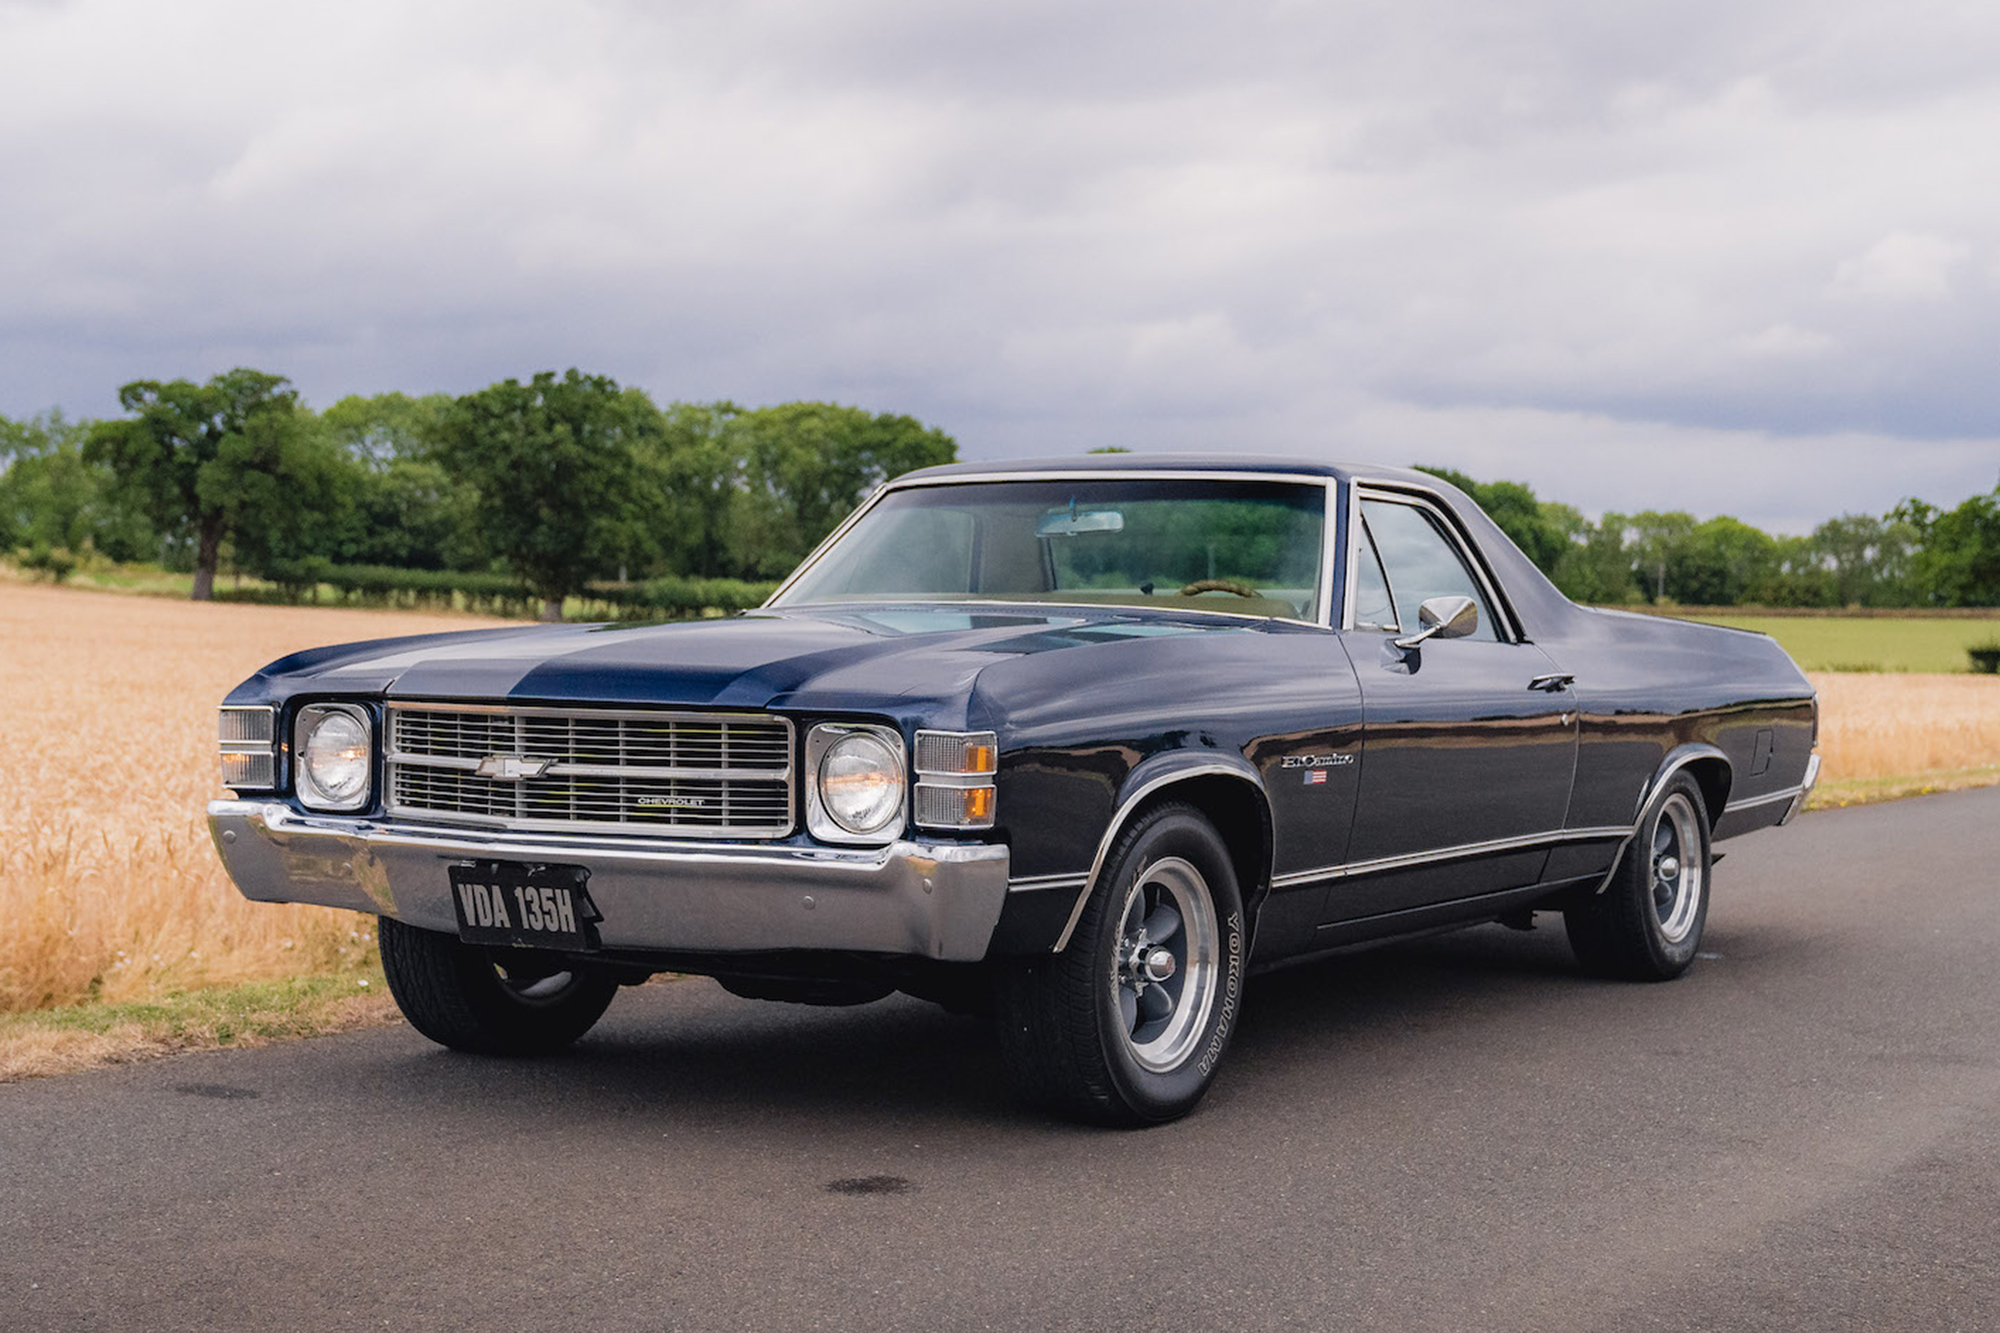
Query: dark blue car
[[1078, 743]]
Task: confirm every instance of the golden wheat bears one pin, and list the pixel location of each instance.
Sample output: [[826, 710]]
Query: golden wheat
[[108, 882], [1874, 727], [109, 885]]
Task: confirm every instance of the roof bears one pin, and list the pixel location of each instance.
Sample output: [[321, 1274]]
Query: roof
[[1166, 462]]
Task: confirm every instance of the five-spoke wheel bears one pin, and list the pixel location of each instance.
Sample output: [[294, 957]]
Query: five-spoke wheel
[[1165, 963]]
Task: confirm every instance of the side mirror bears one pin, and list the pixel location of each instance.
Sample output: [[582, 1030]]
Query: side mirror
[[1443, 618]]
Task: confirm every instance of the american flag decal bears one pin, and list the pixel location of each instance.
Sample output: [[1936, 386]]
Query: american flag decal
[[1315, 777]]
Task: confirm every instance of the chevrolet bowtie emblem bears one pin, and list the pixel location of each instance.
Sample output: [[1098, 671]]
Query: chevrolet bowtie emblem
[[511, 767]]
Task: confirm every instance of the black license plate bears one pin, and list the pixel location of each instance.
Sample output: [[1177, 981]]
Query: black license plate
[[526, 905]]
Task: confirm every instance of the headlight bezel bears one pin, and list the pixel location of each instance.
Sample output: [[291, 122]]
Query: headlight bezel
[[306, 723], [821, 743]]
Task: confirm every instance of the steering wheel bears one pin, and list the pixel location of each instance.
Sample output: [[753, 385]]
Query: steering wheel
[[1220, 585]]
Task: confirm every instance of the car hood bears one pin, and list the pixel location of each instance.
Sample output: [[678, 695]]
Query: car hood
[[863, 657]]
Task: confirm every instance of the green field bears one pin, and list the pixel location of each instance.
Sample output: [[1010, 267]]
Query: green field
[[1870, 643]]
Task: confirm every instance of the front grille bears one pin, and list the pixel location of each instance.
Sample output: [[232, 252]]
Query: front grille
[[709, 775]]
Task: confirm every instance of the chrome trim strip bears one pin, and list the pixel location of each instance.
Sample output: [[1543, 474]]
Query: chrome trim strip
[[1033, 883], [775, 774], [1350, 537], [1460, 852], [1322, 590], [1125, 809], [1769, 798], [586, 711]]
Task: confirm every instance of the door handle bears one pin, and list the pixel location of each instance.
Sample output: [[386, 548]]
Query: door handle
[[1554, 681]]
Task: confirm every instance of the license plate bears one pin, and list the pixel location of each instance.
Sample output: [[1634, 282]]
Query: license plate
[[529, 906]]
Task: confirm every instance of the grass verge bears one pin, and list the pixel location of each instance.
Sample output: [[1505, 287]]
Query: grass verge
[[90, 1035], [1869, 791]]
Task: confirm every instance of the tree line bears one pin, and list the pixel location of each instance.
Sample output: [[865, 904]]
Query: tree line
[[1915, 555], [567, 483], [554, 483]]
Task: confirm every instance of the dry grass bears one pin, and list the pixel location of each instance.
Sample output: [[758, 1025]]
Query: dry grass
[[1884, 735], [109, 886], [76, 1037]]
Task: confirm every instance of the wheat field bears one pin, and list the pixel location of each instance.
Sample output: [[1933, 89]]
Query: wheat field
[[1877, 728], [110, 888], [109, 885]]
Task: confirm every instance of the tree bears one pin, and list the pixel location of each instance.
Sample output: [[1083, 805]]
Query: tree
[[51, 496], [805, 466], [1957, 560], [408, 510], [379, 431], [1719, 561], [1655, 538], [1513, 506], [557, 466], [234, 457]]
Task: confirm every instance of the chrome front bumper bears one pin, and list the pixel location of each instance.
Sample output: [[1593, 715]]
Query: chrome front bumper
[[930, 900]]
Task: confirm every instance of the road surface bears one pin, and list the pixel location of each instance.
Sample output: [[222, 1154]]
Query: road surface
[[1462, 1133]]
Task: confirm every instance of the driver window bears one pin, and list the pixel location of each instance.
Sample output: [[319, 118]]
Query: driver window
[[1422, 562]]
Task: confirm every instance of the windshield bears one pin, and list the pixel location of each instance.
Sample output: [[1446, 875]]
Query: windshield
[[1248, 547]]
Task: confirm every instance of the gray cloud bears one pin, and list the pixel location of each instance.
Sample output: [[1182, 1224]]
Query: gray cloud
[[1732, 257]]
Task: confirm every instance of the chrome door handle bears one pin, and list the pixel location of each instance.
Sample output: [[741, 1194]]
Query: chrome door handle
[[1555, 680]]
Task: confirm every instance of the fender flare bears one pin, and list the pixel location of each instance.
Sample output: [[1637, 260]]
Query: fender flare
[[1654, 792], [1153, 776]]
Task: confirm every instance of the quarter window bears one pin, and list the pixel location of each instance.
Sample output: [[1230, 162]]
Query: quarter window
[[1421, 561]]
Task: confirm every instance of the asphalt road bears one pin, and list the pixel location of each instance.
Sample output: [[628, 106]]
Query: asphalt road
[[1803, 1133]]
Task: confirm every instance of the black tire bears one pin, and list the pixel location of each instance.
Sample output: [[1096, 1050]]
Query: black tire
[[1083, 1033], [1646, 926], [488, 1001]]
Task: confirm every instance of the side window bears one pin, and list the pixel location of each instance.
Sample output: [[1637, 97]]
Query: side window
[[1372, 607], [1421, 562]]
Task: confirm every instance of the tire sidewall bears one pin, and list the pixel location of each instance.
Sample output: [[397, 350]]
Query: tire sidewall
[[1151, 1094]]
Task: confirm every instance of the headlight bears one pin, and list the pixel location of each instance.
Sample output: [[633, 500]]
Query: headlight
[[334, 756], [857, 791]]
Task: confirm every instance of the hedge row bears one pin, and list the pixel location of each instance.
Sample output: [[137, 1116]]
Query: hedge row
[[500, 594]]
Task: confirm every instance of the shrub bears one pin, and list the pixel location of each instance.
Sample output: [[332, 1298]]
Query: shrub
[[55, 562]]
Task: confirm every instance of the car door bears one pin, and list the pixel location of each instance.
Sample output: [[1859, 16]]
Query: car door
[[1469, 744]]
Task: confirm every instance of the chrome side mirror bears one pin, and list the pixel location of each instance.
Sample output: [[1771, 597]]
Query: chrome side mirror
[[1443, 618]]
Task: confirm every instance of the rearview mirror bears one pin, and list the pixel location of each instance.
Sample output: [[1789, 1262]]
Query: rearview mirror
[[1443, 618], [1068, 522]]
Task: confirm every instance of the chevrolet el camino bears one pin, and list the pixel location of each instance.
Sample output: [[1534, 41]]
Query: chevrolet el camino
[[1078, 743]]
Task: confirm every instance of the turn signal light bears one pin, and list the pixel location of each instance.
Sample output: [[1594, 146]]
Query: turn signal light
[[955, 779]]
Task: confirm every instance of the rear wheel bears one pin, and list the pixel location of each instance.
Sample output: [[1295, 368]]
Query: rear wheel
[[1128, 1025], [1647, 925], [490, 1001]]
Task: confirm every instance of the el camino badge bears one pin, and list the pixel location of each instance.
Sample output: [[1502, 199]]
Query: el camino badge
[[511, 767], [1315, 765]]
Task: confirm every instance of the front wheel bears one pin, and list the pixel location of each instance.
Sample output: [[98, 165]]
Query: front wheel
[[1128, 1025], [489, 1001], [1646, 925]]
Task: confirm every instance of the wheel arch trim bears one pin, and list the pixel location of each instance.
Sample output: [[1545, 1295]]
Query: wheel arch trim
[[1149, 780], [1677, 761]]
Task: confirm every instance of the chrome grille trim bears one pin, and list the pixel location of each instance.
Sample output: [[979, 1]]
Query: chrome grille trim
[[673, 772]]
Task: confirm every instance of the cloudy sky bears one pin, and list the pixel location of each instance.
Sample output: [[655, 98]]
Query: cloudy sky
[[1732, 257]]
